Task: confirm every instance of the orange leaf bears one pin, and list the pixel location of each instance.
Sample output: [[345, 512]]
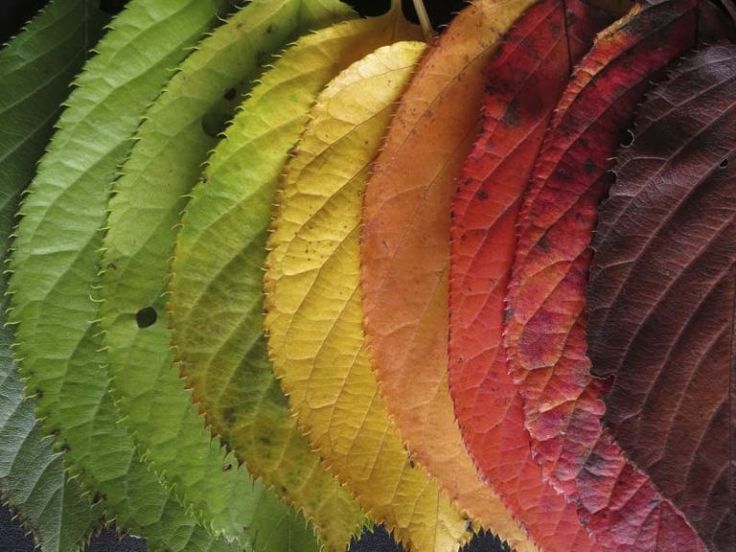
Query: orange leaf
[[405, 246]]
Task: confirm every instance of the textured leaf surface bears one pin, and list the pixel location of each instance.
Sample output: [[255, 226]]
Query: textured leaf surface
[[56, 257], [36, 69], [314, 309], [661, 295], [216, 288], [562, 402], [165, 163], [32, 477], [405, 250], [525, 80]]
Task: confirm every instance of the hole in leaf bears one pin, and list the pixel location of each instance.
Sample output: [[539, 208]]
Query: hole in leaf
[[724, 164], [213, 124], [146, 317], [113, 7], [627, 139]]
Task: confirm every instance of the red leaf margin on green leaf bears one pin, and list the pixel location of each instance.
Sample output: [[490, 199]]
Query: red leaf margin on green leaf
[[562, 402]]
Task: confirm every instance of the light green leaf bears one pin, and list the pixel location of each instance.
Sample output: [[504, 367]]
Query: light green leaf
[[56, 260], [36, 68], [171, 145]]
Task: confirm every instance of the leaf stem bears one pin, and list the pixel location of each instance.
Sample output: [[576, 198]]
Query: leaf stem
[[424, 20]]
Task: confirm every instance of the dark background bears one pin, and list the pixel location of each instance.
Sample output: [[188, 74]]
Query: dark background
[[13, 15]]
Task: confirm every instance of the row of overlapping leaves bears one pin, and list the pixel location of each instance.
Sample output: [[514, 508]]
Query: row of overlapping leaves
[[426, 271]]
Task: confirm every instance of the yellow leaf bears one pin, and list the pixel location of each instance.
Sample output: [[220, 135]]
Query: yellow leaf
[[314, 315]]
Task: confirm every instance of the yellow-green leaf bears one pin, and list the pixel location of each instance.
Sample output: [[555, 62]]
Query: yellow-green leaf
[[216, 287]]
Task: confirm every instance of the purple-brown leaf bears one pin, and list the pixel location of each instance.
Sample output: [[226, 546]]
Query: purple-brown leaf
[[661, 294]]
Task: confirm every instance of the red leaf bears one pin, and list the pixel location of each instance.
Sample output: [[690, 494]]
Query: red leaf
[[661, 296], [526, 77], [545, 336]]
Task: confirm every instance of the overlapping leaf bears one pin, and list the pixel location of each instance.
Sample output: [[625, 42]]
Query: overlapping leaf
[[359, 330], [525, 80], [171, 145], [32, 479], [216, 298], [405, 250], [36, 69], [545, 334], [56, 257], [661, 295], [313, 302]]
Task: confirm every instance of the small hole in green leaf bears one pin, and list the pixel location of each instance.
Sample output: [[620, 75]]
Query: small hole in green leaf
[[146, 317], [213, 124]]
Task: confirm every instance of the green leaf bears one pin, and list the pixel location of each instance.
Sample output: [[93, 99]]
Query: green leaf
[[56, 259], [171, 145], [36, 68], [216, 300], [32, 477]]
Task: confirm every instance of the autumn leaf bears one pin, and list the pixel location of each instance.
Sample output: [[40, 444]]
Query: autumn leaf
[[280, 273], [314, 315], [545, 333], [661, 293], [405, 250], [179, 131], [525, 79]]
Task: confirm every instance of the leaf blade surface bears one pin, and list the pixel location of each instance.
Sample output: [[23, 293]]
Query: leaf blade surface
[[405, 250], [661, 292], [216, 286], [314, 317], [54, 263], [545, 332], [165, 163], [524, 82], [32, 479]]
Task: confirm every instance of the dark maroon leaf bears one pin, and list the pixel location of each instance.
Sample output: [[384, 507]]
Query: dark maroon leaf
[[661, 294]]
